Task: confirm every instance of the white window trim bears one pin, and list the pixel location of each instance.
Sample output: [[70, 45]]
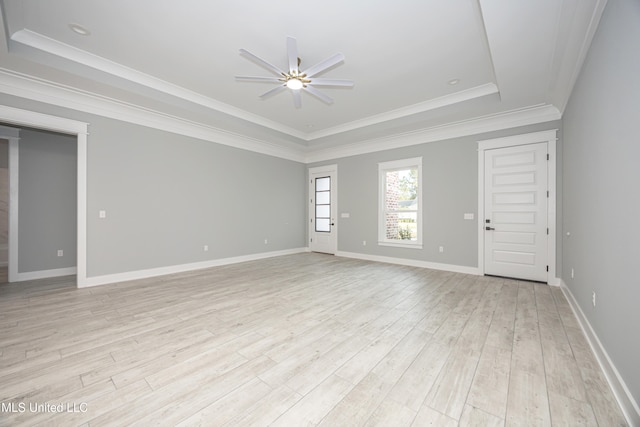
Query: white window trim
[[383, 168]]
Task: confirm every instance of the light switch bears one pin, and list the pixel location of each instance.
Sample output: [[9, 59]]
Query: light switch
[[469, 216], [102, 214], [345, 215]]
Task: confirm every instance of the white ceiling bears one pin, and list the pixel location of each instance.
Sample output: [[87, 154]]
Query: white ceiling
[[180, 59]]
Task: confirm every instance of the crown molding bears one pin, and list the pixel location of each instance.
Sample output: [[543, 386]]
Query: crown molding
[[572, 45], [510, 119], [63, 50], [432, 104], [46, 44], [23, 86]]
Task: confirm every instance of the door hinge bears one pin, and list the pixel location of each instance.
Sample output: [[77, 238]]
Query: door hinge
[[547, 156], [547, 230], [547, 193], [311, 240], [547, 268]]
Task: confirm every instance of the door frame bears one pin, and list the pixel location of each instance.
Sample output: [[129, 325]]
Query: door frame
[[332, 169], [550, 137], [13, 136], [18, 117]]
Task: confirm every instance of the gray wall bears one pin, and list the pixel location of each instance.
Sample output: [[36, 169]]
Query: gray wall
[[166, 196], [47, 201], [449, 190], [601, 198]]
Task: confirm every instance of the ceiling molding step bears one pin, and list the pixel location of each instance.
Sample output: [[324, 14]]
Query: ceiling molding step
[[506, 120], [432, 104], [62, 50], [28, 87]]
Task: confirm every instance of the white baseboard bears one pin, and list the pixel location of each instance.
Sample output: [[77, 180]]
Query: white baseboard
[[44, 274], [411, 262], [556, 281], [626, 401], [161, 271]]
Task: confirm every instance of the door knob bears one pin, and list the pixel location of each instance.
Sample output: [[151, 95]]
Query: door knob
[[489, 228]]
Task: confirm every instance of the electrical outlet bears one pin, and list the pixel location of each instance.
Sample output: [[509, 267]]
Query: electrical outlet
[[266, 241], [364, 243], [102, 214], [60, 252], [205, 248], [593, 298], [572, 273], [441, 249]]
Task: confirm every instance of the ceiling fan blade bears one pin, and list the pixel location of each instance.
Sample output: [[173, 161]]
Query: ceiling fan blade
[[297, 98], [331, 82], [258, 79], [292, 52], [273, 91], [327, 63], [315, 92], [275, 70]]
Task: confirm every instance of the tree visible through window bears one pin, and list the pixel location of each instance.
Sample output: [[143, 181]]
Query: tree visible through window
[[400, 214]]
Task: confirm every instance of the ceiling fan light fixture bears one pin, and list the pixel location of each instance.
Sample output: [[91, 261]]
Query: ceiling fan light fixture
[[295, 84], [295, 79]]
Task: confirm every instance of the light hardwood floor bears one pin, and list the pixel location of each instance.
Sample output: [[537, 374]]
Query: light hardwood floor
[[299, 340]]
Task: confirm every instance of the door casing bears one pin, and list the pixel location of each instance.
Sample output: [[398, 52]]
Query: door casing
[[316, 171], [549, 137]]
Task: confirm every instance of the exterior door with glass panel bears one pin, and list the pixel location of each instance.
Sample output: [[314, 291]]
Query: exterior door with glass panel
[[515, 214], [322, 209]]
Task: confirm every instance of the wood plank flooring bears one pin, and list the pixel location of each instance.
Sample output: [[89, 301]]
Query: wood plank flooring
[[300, 340]]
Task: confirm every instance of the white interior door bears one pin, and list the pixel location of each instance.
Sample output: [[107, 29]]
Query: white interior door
[[515, 213], [323, 231]]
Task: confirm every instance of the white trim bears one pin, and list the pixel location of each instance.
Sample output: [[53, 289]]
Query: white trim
[[506, 120], [571, 70], [432, 104], [32, 119], [63, 50], [14, 156], [46, 274], [628, 405], [550, 137], [331, 169], [13, 136], [161, 271], [28, 87], [522, 139], [555, 281], [383, 168], [410, 262]]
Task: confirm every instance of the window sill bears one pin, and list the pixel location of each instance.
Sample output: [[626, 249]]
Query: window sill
[[401, 245]]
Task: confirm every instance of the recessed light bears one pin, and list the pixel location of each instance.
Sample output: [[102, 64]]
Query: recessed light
[[79, 29], [454, 82]]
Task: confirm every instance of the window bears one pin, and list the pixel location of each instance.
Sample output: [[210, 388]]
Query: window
[[400, 210], [323, 204]]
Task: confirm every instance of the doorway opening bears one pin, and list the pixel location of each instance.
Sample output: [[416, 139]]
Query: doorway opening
[[23, 118]]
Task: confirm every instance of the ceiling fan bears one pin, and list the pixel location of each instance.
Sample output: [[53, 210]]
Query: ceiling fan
[[295, 79]]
